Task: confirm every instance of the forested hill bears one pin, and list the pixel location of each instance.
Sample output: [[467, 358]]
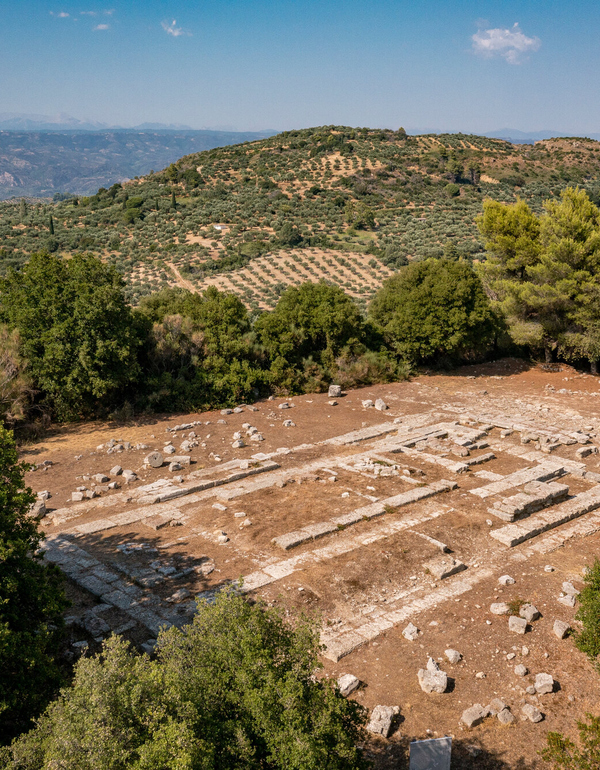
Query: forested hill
[[43, 163], [384, 194]]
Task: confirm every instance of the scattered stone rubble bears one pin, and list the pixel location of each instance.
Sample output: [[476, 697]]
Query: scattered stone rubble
[[127, 600]]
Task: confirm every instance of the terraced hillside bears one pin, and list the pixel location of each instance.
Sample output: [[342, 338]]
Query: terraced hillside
[[258, 216]]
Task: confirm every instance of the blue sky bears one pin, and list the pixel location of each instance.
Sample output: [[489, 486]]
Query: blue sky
[[257, 64]]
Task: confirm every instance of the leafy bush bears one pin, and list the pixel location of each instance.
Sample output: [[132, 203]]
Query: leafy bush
[[565, 755], [588, 640], [435, 309], [234, 689], [31, 603]]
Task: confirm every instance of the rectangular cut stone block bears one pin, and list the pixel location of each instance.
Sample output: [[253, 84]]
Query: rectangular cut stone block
[[158, 522], [542, 472], [118, 599], [433, 754], [320, 529], [93, 526], [444, 566], [94, 585], [347, 519], [480, 459], [343, 645], [291, 539], [256, 580]]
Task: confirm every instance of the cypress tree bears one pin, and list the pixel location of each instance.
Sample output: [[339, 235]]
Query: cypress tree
[[51, 225]]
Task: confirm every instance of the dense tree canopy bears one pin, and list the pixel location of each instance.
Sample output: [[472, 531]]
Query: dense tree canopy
[[544, 273], [76, 331], [31, 603], [235, 689], [435, 309]]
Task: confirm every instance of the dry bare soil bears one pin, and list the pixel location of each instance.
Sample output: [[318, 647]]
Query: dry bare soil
[[341, 514]]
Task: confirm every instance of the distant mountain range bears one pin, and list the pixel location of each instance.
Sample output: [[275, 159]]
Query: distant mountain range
[[17, 121], [40, 164], [528, 137]]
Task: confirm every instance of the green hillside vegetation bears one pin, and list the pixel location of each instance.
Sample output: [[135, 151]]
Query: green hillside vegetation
[[377, 193]]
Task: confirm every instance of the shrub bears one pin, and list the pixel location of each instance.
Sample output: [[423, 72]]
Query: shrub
[[233, 690], [588, 640], [565, 755], [31, 603]]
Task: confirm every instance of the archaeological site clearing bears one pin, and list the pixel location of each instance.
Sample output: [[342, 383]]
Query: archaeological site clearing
[[439, 527]]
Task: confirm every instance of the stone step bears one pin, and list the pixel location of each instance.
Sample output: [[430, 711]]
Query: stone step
[[514, 534], [535, 496], [543, 472]]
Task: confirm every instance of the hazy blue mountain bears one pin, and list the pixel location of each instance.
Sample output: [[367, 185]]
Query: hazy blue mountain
[[42, 163]]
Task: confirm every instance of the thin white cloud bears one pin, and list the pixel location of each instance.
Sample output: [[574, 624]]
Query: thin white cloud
[[100, 27], [173, 29], [511, 44], [109, 11], [61, 15], [88, 13]]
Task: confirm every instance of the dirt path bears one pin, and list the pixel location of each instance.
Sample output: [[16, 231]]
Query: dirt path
[[181, 281]]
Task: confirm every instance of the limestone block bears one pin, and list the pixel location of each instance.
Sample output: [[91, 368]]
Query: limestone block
[[432, 679], [517, 625], [544, 683], [335, 391], [411, 632], [568, 601], [453, 656], [495, 706], [521, 670], [506, 580], [505, 717], [347, 684], [529, 612], [569, 589], [116, 470], [382, 720], [499, 608], [444, 566], [533, 714], [380, 405], [474, 715], [560, 629]]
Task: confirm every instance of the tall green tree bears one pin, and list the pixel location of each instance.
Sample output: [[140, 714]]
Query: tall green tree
[[313, 322], [435, 309], [76, 330], [544, 273], [31, 603], [233, 690]]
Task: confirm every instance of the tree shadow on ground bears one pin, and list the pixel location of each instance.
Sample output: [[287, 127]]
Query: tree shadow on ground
[[466, 755]]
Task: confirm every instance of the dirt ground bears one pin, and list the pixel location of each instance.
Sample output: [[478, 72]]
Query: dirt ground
[[356, 574]]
